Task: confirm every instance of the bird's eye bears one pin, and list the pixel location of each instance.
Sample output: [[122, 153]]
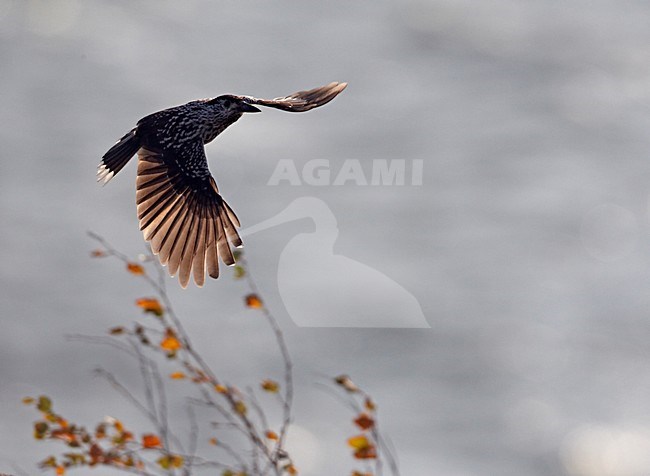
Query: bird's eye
[[226, 103]]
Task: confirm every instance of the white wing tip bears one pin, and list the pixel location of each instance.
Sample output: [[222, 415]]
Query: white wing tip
[[104, 174]]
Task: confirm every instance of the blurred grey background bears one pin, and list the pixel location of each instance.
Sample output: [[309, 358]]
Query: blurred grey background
[[526, 245]]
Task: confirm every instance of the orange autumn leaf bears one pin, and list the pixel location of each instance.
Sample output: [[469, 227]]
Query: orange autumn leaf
[[63, 435], [213, 441], [271, 435], [177, 375], [60, 470], [170, 343], [28, 400], [97, 253], [369, 404], [366, 453], [100, 431], [253, 301], [291, 469], [359, 473], [117, 424], [150, 441], [364, 421], [52, 417], [96, 454], [135, 268], [151, 305], [177, 461], [40, 430], [220, 388], [270, 386]]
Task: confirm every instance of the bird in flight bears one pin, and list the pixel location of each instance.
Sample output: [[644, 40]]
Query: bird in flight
[[182, 215]]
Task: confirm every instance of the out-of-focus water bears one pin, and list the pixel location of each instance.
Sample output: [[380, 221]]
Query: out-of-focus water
[[526, 245]]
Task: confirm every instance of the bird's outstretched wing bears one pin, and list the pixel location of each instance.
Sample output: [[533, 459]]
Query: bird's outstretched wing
[[181, 213], [301, 101]]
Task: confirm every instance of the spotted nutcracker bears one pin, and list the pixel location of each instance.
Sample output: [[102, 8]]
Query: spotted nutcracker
[[183, 216]]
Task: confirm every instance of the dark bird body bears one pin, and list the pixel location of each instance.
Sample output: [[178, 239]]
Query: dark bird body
[[182, 215]]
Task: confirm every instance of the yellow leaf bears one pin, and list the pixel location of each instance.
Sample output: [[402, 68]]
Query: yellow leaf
[[364, 449], [240, 407], [177, 375], [150, 441], [369, 404], [135, 268], [151, 305], [44, 404], [270, 386], [253, 301], [240, 272], [358, 442], [49, 462], [271, 435], [170, 461], [221, 388], [164, 462]]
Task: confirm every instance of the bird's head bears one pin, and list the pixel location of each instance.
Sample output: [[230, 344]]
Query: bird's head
[[232, 105]]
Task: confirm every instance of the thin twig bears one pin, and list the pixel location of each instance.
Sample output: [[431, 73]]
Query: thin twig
[[193, 439], [125, 392], [286, 357]]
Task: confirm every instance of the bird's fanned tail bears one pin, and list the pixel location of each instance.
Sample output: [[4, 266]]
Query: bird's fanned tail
[[188, 226], [117, 156]]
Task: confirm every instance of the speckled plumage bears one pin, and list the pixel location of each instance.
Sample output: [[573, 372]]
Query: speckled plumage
[[182, 215]]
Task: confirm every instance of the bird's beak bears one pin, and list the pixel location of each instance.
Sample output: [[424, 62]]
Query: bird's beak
[[245, 107]]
